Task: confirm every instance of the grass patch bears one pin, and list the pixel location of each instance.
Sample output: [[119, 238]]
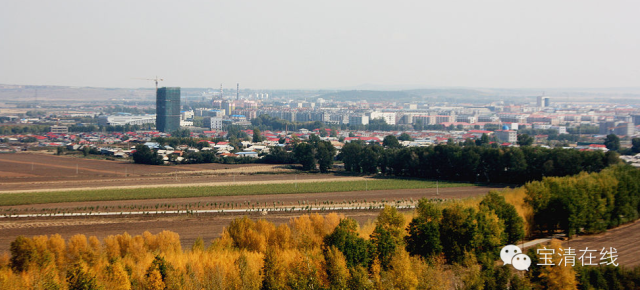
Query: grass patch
[[231, 190]]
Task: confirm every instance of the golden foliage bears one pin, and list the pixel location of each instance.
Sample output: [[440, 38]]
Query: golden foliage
[[77, 248], [337, 270], [249, 255], [400, 274], [516, 197], [154, 281], [559, 276]]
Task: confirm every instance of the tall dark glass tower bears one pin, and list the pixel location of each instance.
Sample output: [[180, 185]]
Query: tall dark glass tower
[[168, 109]]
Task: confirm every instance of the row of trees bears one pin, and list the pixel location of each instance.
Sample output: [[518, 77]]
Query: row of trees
[[24, 129], [586, 202], [612, 141], [471, 163], [41, 129], [313, 154]]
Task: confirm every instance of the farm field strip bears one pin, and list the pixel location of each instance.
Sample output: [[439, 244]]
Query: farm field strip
[[263, 211], [171, 185], [37, 167], [280, 187]]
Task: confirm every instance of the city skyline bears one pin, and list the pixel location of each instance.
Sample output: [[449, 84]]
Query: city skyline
[[329, 45]]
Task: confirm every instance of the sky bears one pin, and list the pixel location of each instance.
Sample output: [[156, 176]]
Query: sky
[[327, 44]]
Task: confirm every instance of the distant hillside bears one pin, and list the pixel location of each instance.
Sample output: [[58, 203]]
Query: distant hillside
[[409, 95], [372, 96], [15, 93]]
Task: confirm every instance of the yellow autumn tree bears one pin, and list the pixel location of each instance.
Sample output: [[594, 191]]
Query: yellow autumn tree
[[400, 274], [336, 267], [115, 277], [77, 248], [57, 246], [558, 276], [154, 281]]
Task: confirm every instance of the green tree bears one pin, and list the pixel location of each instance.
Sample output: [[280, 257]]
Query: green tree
[[23, 252], [388, 234], [144, 155], [525, 140], [356, 250], [405, 137], [483, 141], [257, 136], [458, 231], [423, 237], [635, 142], [506, 212], [390, 141], [488, 239], [350, 155], [325, 153], [183, 133], [304, 154], [612, 142], [278, 155]]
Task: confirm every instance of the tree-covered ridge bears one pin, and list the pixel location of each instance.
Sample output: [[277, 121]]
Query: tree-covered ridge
[[585, 203]]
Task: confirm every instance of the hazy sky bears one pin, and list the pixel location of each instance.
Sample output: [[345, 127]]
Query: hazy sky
[[321, 44]]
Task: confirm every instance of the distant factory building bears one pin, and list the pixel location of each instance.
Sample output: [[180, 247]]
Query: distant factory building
[[168, 109], [59, 129]]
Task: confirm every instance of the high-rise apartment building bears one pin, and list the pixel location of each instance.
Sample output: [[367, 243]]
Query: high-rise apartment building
[[168, 109], [228, 107], [543, 101]]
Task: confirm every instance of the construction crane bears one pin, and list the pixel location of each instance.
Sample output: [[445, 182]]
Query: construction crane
[[156, 80]]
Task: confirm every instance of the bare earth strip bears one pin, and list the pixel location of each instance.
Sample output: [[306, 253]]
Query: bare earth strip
[[625, 239], [34, 171]]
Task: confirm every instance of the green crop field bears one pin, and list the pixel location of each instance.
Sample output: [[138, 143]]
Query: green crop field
[[10, 199]]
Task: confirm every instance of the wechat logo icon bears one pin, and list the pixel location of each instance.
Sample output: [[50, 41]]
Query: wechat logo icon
[[512, 254]]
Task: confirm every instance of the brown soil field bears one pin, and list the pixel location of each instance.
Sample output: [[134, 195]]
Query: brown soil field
[[189, 228], [207, 226], [625, 239], [32, 171]]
